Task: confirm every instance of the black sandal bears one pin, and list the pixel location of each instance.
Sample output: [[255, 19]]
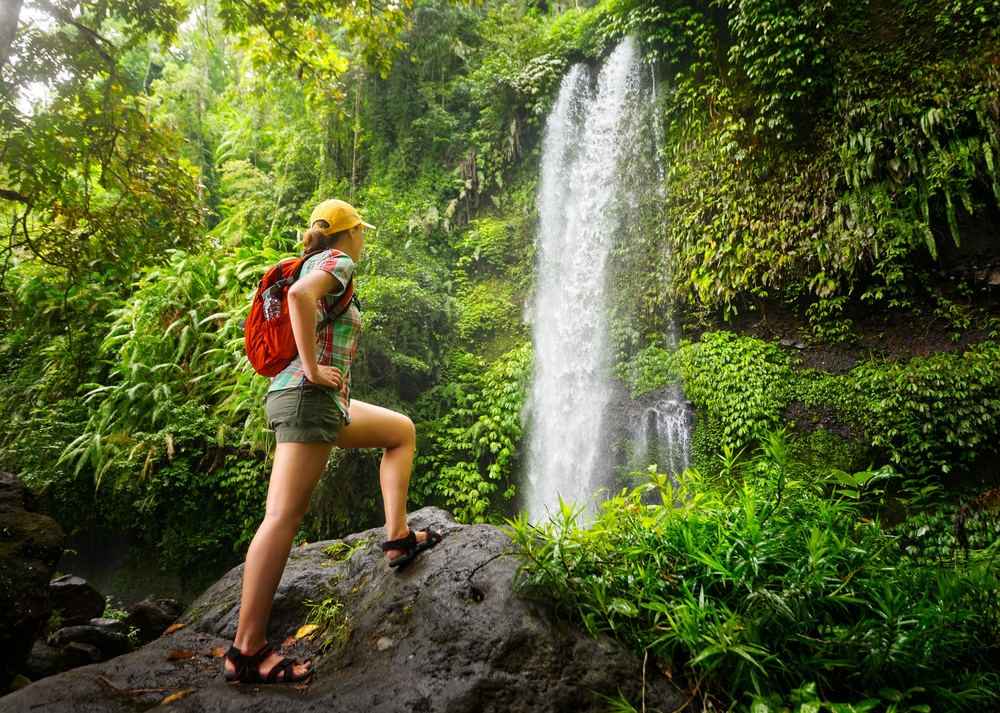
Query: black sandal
[[410, 547], [247, 667]]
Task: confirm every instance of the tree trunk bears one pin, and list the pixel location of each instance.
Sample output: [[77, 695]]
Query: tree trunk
[[10, 11], [357, 127]]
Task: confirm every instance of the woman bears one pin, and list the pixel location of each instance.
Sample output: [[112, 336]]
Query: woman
[[310, 409]]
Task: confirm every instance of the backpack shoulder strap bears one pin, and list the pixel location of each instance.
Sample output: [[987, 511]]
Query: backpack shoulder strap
[[334, 313], [302, 261]]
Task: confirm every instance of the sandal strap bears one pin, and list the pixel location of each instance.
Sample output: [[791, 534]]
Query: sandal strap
[[433, 538], [248, 665], [407, 544], [285, 665], [263, 652]]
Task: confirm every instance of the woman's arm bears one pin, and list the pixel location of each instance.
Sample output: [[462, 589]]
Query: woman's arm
[[302, 298]]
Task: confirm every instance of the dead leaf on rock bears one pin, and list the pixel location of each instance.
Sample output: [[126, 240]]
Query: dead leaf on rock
[[109, 682], [289, 640], [180, 694], [175, 655], [305, 630], [173, 627], [217, 653]]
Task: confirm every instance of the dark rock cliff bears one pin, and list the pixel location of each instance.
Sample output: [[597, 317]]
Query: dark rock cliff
[[30, 547]]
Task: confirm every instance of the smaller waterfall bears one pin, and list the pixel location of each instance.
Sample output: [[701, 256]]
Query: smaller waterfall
[[663, 436]]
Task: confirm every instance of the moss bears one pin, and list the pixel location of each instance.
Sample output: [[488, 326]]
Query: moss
[[822, 451]]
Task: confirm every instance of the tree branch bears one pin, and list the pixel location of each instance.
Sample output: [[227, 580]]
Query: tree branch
[[14, 196], [90, 35], [262, 22]]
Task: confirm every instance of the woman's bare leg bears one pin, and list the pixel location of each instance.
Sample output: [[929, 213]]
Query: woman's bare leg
[[296, 471], [377, 427]]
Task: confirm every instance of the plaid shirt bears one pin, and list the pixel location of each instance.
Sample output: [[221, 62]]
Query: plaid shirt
[[335, 345]]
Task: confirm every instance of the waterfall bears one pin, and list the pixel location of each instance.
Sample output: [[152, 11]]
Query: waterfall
[[663, 437], [596, 147]]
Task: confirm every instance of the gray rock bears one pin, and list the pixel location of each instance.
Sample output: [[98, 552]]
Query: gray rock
[[446, 633], [44, 661], [16, 493], [116, 625], [110, 643], [171, 606], [80, 654], [30, 547], [75, 599], [151, 618]]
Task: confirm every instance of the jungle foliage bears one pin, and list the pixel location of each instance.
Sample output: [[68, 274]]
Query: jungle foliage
[[778, 591], [818, 152]]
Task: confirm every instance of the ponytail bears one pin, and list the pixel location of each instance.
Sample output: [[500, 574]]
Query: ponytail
[[317, 239]]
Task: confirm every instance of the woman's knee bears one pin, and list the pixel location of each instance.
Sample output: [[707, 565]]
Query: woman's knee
[[283, 519], [409, 431], [403, 434]]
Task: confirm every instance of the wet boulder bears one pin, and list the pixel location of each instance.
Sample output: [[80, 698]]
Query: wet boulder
[[117, 625], [151, 618], [448, 632], [30, 547], [79, 654], [109, 643], [76, 600], [43, 662]]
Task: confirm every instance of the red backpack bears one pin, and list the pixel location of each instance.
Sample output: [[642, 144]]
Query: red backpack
[[269, 341]]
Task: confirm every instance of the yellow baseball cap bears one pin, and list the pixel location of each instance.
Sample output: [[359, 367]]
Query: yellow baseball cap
[[340, 216]]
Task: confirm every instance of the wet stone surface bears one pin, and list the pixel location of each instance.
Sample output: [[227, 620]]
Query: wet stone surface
[[446, 633]]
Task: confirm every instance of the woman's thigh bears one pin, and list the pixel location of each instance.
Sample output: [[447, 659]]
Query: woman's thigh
[[296, 471], [375, 427]]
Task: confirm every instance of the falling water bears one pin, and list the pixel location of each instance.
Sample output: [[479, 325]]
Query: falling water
[[594, 145], [663, 437]]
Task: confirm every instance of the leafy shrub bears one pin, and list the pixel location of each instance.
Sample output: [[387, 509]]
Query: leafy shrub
[[927, 415], [741, 383], [470, 451], [769, 593], [934, 413], [50, 329]]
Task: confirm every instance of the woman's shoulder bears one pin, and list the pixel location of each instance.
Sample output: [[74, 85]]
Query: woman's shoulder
[[331, 259]]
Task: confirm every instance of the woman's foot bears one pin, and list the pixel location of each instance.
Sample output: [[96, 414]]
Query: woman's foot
[[411, 543], [395, 552], [266, 664]]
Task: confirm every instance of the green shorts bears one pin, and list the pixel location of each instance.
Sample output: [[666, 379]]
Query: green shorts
[[303, 414]]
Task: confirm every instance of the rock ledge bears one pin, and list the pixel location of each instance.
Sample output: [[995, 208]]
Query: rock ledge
[[446, 633]]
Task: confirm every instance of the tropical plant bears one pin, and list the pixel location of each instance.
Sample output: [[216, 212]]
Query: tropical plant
[[472, 450], [767, 594]]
